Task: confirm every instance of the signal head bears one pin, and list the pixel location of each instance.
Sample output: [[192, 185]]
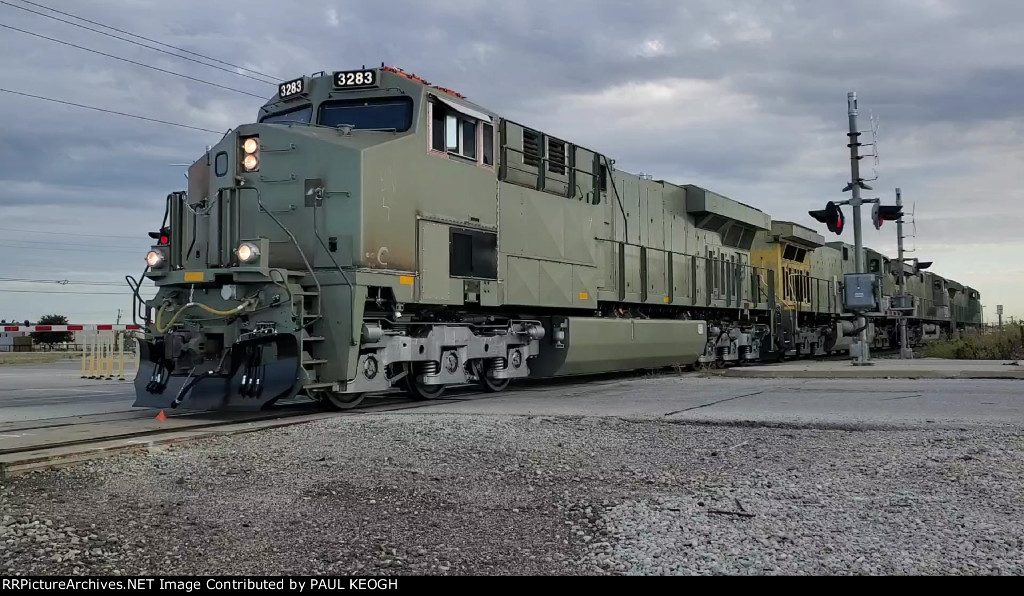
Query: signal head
[[163, 237], [831, 216], [881, 213]]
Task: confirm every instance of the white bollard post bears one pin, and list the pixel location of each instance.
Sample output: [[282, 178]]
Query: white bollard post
[[119, 338], [93, 362], [109, 343], [85, 354]]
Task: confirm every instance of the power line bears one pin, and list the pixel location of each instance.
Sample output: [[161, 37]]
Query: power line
[[78, 244], [127, 293], [160, 43], [228, 70], [156, 68], [122, 251], [78, 105], [62, 282], [67, 233]]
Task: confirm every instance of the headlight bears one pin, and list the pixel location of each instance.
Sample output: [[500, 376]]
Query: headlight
[[247, 252], [154, 258], [250, 154]]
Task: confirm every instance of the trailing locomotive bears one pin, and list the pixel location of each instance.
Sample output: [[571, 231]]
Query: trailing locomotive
[[373, 230]]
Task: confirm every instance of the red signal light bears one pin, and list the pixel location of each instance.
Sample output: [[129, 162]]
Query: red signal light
[[163, 237]]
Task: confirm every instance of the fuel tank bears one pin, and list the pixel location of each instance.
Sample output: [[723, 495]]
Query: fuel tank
[[581, 345]]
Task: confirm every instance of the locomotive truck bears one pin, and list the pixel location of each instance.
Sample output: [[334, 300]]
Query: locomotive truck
[[373, 230]]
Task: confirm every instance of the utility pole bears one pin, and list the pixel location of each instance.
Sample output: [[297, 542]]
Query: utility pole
[[119, 316], [863, 357], [905, 351]]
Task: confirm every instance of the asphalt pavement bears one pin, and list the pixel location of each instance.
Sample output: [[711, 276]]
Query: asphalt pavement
[[56, 390], [825, 402], [39, 391]]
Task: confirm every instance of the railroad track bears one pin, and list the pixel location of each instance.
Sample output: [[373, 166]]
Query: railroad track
[[54, 442]]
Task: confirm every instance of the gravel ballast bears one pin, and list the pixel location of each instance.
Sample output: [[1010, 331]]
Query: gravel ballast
[[474, 494]]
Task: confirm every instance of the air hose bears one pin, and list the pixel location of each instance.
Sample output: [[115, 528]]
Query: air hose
[[222, 313]]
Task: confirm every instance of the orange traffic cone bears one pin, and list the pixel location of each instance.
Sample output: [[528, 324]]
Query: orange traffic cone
[[161, 416]]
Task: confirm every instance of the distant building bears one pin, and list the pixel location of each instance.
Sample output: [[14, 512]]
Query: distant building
[[15, 341]]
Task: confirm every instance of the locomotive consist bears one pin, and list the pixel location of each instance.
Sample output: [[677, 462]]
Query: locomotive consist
[[373, 230]]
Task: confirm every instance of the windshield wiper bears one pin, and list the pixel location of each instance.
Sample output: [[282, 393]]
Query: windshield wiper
[[350, 127], [302, 122]]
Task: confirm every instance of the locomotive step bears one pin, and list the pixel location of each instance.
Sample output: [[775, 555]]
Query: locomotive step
[[312, 362], [313, 338], [318, 386]]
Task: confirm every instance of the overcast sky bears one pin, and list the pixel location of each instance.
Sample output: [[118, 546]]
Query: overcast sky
[[747, 98]]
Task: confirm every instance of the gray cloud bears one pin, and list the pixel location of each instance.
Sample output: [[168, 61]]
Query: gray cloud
[[743, 96]]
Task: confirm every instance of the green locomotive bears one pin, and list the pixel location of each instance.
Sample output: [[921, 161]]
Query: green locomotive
[[373, 230]]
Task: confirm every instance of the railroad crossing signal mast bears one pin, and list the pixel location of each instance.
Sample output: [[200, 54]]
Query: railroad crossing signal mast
[[858, 349], [860, 289], [902, 303]]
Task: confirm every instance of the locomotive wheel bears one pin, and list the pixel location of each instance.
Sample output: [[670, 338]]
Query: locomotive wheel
[[488, 383], [337, 402], [418, 390]]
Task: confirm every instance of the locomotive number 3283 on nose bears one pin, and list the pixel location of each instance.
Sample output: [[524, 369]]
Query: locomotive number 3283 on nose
[[355, 78], [291, 88]]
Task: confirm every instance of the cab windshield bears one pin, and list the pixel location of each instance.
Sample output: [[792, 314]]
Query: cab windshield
[[302, 115], [388, 113]]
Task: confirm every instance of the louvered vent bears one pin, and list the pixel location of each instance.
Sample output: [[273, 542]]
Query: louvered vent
[[556, 157], [531, 148]]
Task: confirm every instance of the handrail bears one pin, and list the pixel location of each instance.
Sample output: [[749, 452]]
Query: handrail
[[542, 159], [740, 269], [137, 301], [682, 254], [330, 255], [611, 178], [309, 268]]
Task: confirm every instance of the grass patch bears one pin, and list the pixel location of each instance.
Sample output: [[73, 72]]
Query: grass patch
[[1007, 344], [36, 357], [27, 358]]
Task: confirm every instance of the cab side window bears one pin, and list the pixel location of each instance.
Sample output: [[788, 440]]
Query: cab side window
[[487, 149], [461, 136], [451, 132]]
